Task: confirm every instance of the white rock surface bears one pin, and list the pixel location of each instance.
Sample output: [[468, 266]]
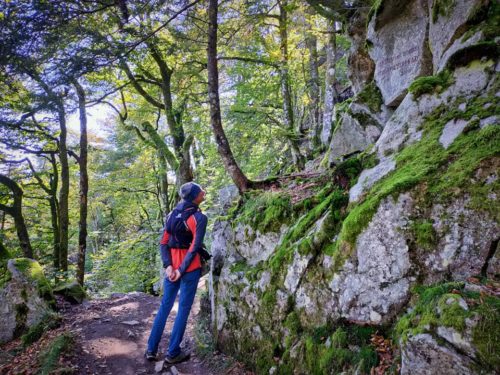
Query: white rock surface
[[451, 131], [255, 246], [351, 135], [398, 35], [446, 32], [370, 290], [369, 177]]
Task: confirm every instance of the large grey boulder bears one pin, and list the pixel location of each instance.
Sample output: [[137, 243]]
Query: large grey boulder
[[355, 132], [398, 34], [403, 128], [255, 246], [370, 176], [25, 298], [222, 243], [373, 286], [465, 240], [448, 23], [423, 355]]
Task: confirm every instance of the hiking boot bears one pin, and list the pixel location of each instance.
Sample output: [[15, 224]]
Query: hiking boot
[[150, 356], [181, 357]]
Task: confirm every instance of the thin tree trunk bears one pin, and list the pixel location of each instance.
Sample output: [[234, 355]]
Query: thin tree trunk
[[330, 91], [314, 87], [162, 173], [51, 191], [63, 157], [54, 212], [64, 191], [16, 211], [285, 88], [181, 144], [237, 175], [84, 185]]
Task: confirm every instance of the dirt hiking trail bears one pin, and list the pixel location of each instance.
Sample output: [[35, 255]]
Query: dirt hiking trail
[[110, 337]]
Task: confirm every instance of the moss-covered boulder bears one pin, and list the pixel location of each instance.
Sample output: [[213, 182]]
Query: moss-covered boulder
[[447, 321], [71, 291], [25, 297], [358, 123], [461, 27]]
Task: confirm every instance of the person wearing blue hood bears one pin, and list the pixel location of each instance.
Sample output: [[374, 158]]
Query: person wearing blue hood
[[180, 247]]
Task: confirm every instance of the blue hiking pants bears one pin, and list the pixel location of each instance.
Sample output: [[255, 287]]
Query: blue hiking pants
[[187, 284]]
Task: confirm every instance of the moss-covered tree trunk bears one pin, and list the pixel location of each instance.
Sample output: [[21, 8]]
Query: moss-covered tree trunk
[[313, 85], [64, 191], [84, 185], [17, 214], [54, 212], [58, 105]]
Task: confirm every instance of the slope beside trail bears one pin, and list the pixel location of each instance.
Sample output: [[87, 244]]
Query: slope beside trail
[[111, 336]]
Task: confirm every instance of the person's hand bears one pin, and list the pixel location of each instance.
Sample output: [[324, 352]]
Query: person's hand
[[174, 276], [168, 271]]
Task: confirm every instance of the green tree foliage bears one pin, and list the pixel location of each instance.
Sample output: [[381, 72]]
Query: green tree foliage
[[145, 62]]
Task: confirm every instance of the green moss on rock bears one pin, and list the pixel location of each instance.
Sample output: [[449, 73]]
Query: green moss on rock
[[48, 322], [486, 335], [445, 172], [337, 352], [265, 211], [371, 96], [442, 8], [72, 291], [282, 256], [424, 233], [33, 271], [442, 305], [431, 84], [485, 17]]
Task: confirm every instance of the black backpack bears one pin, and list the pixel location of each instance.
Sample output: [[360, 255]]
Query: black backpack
[[180, 234]]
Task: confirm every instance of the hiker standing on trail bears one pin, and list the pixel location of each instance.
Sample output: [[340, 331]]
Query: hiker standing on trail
[[180, 248]]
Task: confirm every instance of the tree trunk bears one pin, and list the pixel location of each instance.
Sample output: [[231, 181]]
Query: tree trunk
[[184, 171], [330, 91], [64, 191], [314, 87], [162, 173], [54, 212], [63, 157], [84, 185], [16, 211], [239, 179], [286, 90]]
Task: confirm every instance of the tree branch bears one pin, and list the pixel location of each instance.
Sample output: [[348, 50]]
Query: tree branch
[[249, 59]]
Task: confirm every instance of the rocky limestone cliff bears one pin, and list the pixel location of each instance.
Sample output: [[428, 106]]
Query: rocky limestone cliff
[[401, 236]]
